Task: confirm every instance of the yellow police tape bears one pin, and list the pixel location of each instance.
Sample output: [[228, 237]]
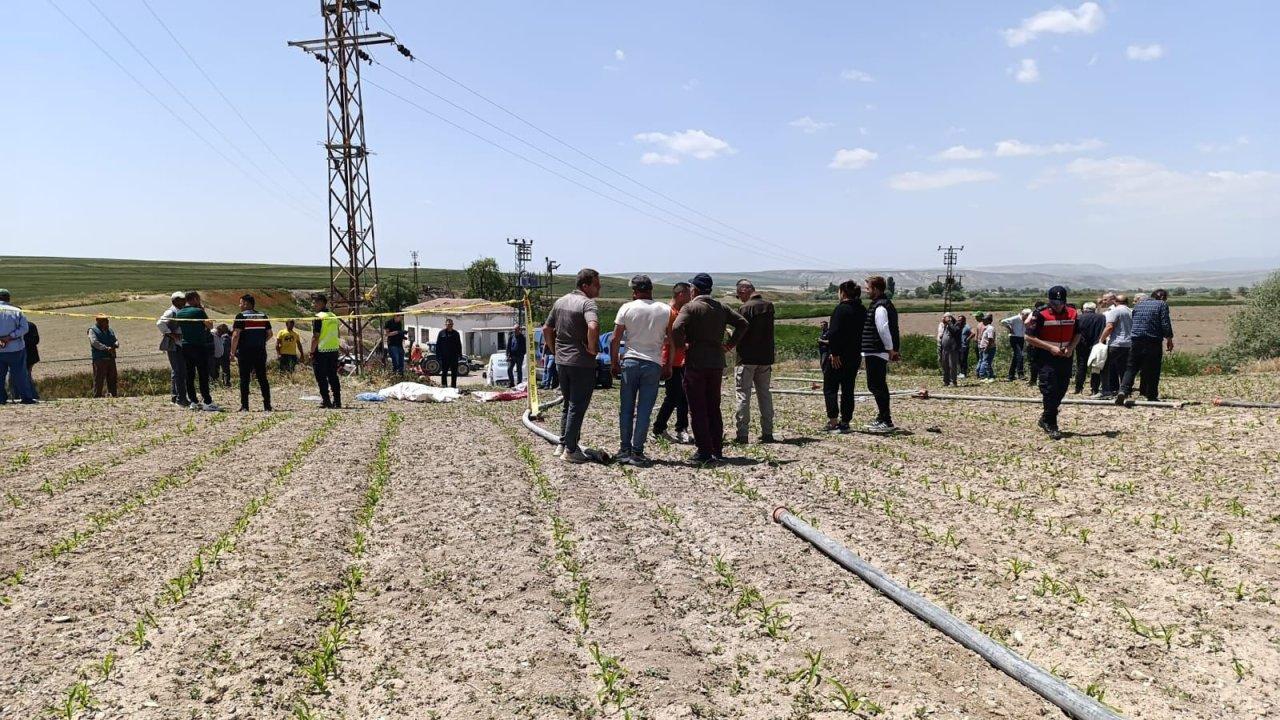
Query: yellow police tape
[[352, 316], [531, 370]]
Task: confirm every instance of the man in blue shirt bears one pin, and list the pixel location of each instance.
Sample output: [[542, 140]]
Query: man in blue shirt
[[13, 352], [1151, 324], [517, 347]]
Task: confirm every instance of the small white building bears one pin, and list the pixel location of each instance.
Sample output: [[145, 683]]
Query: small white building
[[483, 325]]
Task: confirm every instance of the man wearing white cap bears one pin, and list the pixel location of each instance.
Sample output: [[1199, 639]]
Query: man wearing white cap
[[171, 344]]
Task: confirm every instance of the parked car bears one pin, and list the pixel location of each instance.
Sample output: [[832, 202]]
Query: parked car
[[495, 373], [603, 378]]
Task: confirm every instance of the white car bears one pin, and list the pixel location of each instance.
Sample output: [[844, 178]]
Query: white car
[[495, 371]]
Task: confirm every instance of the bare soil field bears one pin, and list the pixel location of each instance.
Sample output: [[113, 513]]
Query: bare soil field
[[436, 561], [1197, 328]]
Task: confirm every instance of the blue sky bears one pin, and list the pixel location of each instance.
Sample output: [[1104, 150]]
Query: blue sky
[[843, 134]]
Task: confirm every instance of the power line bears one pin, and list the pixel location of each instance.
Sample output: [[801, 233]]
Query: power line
[[181, 120], [194, 108], [564, 177], [595, 160], [793, 255], [230, 104]]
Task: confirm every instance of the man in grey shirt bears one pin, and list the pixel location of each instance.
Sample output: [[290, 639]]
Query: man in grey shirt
[[171, 345], [572, 332], [1118, 336]]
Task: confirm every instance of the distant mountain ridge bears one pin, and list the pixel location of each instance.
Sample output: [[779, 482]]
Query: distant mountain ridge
[[1082, 275]]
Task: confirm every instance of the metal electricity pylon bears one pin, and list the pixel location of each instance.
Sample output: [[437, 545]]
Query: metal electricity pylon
[[353, 261], [523, 280], [414, 254], [950, 256]]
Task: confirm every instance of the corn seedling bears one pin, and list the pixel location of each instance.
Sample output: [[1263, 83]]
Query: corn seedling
[[19, 461], [78, 698], [610, 673], [773, 620], [725, 571], [582, 605], [107, 664], [849, 701], [1240, 669], [1096, 691], [811, 673], [1016, 568], [303, 711]]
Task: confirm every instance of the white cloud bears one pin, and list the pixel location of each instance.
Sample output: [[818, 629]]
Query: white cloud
[[911, 181], [959, 152], [1017, 148], [653, 158], [1086, 19], [1093, 60], [692, 84], [1026, 71], [854, 159], [1209, 147], [619, 56], [1133, 181], [692, 143], [856, 76], [809, 125], [1145, 53]]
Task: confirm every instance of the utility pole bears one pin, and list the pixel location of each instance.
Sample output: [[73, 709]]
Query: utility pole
[[414, 254], [950, 256], [353, 262], [523, 280], [552, 266]]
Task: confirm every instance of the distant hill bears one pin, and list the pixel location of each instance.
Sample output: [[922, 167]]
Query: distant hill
[[1009, 276]]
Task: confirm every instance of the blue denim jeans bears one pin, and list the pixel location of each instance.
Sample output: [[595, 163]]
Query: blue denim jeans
[[396, 352], [986, 363], [13, 364], [640, 380]]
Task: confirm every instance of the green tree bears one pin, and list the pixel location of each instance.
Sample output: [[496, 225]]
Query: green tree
[[394, 296], [486, 281], [890, 286], [936, 287], [1254, 332], [1178, 291]]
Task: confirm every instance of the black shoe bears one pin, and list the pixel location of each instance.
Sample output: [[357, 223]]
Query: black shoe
[[741, 440], [767, 439], [244, 408], [1129, 402], [718, 459], [700, 459], [337, 406], [1121, 398], [325, 404]]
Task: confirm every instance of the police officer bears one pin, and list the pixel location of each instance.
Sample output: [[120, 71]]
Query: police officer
[[1053, 333]]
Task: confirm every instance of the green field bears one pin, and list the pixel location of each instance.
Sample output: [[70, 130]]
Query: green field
[[49, 280]]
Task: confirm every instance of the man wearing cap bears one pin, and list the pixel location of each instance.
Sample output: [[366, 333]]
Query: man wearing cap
[[700, 328], [1053, 333], [171, 346], [754, 370], [1091, 325], [13, 352], [643, 324], [572, 332], [102, 347], [674, 400]]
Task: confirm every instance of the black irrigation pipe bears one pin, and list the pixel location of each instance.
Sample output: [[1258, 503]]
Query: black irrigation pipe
[[1071, 701], [1222, 402]]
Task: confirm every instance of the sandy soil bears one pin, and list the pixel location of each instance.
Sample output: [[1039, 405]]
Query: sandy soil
[[1137, 558], [1197, 329]]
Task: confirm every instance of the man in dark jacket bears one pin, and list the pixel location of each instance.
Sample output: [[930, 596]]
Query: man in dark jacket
[[516, 349], [448, 352], [881, 343], [1092, 323], [755, 362], [1151, 325], [700, 327], [844, 343]]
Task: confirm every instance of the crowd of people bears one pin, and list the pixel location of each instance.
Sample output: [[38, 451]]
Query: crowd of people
[[683, 345]]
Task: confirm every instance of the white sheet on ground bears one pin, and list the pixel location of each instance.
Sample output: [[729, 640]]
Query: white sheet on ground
[[417, 392]]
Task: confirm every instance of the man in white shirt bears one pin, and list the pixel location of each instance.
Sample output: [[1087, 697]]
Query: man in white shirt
[[1017, 327], [1118, 337], [643, 324], [171, 344]]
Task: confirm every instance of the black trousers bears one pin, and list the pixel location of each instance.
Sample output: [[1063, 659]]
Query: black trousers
[[1082, 369], [577, 384], [837, 389], [1144, 362], [1113, 371], [253, 362], [878, 384], [197, 358], [964, 358], [515, 370], [674, 400], [325, 365], [1054, 376], [448, 367]]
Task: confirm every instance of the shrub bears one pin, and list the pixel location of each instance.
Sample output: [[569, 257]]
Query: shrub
[[1254, 332]]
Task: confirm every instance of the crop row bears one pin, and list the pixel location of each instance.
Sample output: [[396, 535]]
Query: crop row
[[321, 666], [79, 695]]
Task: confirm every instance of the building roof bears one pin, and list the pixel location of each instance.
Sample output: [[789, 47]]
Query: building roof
[[460, 306]]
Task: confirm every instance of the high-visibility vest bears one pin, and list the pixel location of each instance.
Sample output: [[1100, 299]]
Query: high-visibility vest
[[1054, 328], [328, 332]]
